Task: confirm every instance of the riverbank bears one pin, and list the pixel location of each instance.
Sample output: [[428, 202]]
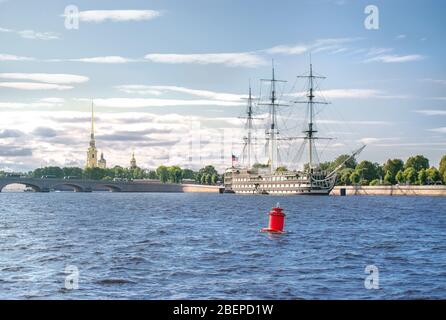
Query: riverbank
[[433, 191]]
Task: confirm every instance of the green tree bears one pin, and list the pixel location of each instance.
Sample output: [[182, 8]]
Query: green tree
[[418, 162], [208, 170], [442, 168], [350, 163], [175, 174], [325, 165], [118, 172], [94, 173], [188, 174], [344, 176], [433, 175], [355, 178], [389, 178], [391, 168], [152, 174], [281, 169], [48, 171], [410, 175], [400, 177], [72, 172], [162, 173], [368, 170], [374, 182], [136, 173], [422, 177], [260, 166], [214, 179]]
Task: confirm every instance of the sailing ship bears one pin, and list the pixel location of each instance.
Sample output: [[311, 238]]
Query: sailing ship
[[312, 180]]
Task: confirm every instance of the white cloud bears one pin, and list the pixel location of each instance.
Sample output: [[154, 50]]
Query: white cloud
[[141, 103], [105, 59], [98, 16], [439, 130], [375, 140], [34, 86], [32, 34], [156, 139], [401, 36], [287, 49], [46, 77], [41, 103], [352, 94], [334, 44], [432, 112], [358, 122], [411, 145], [138, 89], [435, 81], [158, 90], [396, 58], [241, 59], [53, 100], [11, 57], [378, 51]]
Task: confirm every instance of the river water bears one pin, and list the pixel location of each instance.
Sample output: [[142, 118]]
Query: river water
[[208, 246]]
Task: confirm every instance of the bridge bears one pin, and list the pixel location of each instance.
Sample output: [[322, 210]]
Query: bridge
[[82, 185]]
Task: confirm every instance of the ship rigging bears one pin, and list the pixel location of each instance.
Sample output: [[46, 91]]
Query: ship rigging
[[312, 179]]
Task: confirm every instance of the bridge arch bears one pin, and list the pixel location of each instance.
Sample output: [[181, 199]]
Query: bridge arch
[[35, 187], [74, 186], [109, 186]]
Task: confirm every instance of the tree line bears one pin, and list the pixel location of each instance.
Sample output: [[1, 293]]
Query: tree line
[[166, 174], [416, 170]]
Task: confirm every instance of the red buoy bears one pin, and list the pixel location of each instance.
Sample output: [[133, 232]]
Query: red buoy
[[276, 220]]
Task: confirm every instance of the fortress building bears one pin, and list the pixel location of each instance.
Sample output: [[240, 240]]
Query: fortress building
[[133, 162], [102, 163], [92, 153]]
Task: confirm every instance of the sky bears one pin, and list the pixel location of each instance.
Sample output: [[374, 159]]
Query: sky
[[168, 78]]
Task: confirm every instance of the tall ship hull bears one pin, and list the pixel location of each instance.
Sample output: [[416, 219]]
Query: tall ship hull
[[247, 182]]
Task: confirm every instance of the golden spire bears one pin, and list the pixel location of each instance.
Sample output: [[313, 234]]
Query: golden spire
[[92, 119], [92, 161], [92, 141]]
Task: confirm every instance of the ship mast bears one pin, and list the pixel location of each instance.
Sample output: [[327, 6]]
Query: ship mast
[[310, 132], [273, 131], [247, 149]]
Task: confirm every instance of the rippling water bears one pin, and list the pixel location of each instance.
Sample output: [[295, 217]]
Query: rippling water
[[205, 246]]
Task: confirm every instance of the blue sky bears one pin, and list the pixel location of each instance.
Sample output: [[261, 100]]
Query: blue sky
[[158, 70]]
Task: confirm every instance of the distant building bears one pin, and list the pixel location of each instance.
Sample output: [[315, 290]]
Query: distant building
[[133, 162], [102, 163], [92, 153]]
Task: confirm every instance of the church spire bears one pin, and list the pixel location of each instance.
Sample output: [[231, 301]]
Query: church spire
[[92, 139], [92, 120], [92, 153]]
